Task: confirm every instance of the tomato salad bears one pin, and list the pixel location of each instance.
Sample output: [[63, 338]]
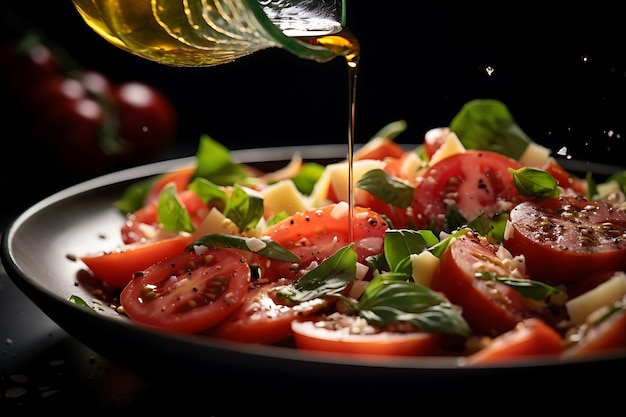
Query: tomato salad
[[475, 244]]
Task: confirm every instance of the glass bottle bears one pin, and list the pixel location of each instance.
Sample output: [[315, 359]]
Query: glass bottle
[[212, 32]]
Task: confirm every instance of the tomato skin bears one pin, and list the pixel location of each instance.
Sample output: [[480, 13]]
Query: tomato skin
[[564, 178], [263, 317], [490, 308], [147, 120], [379, 148], [604, 337], [531, 337], [116, 268], [22, 69], [316, 234], [566, 239], [309, 336], [181, 179], [189, 292], [477, 181]]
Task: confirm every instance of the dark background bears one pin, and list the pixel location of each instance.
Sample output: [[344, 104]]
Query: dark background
[[560, 74]]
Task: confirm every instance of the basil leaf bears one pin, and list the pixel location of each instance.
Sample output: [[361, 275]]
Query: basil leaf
[[528, 288], [533, 182], [391, 130], [244, 209], [399, 244], [261, 246], [307, 177], [214, 163], [388, 188], [172, 213], [331, 277], [489, 125], [399, 301]]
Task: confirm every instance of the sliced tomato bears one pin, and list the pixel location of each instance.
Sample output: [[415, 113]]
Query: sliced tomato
[[473, 181], [566, 239], [189, 292], [315, 234], [603, 337], [564, 178], [490, 307], [180, 178], [399, 217], [333, 334], [116, 268], [264, 317], [531, 337]]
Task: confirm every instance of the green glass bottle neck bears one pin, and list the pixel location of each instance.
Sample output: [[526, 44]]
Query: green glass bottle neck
[[293, 45]]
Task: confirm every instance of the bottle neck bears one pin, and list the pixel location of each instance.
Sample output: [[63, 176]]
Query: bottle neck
[[288, 24]]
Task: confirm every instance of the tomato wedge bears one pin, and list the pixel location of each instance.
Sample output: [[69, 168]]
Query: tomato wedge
[[263, 317], [315, 234], [473, 181], [333, 334], [602, 337], [531, 337], [189, 292], [116, 268], [567, 239], [490, 307]]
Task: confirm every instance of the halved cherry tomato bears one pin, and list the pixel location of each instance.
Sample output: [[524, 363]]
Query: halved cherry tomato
[[602, 337], [189, 292], [116, 268], [263, 317], [333, 334], [566, 239], [316, 234], [474, 181], [531, 337], [490, 307]]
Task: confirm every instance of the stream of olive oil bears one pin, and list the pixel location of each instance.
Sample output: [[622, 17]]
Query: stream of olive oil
[[346, 44]]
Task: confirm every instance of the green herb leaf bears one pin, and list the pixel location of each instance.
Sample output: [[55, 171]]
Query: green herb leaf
[[388, 188], [261, 246], [331, 277], [80, 302], [400, 301], [534, 290], [214, 163], [172, 213], [307, 177], [391, 130], [133, 196], [399, 244], [489, 125], [244, 209], [533, 182]]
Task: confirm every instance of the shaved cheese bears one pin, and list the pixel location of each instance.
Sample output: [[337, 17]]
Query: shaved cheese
[[424, 264], [450, 146], [283, 196], [604, 295]]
